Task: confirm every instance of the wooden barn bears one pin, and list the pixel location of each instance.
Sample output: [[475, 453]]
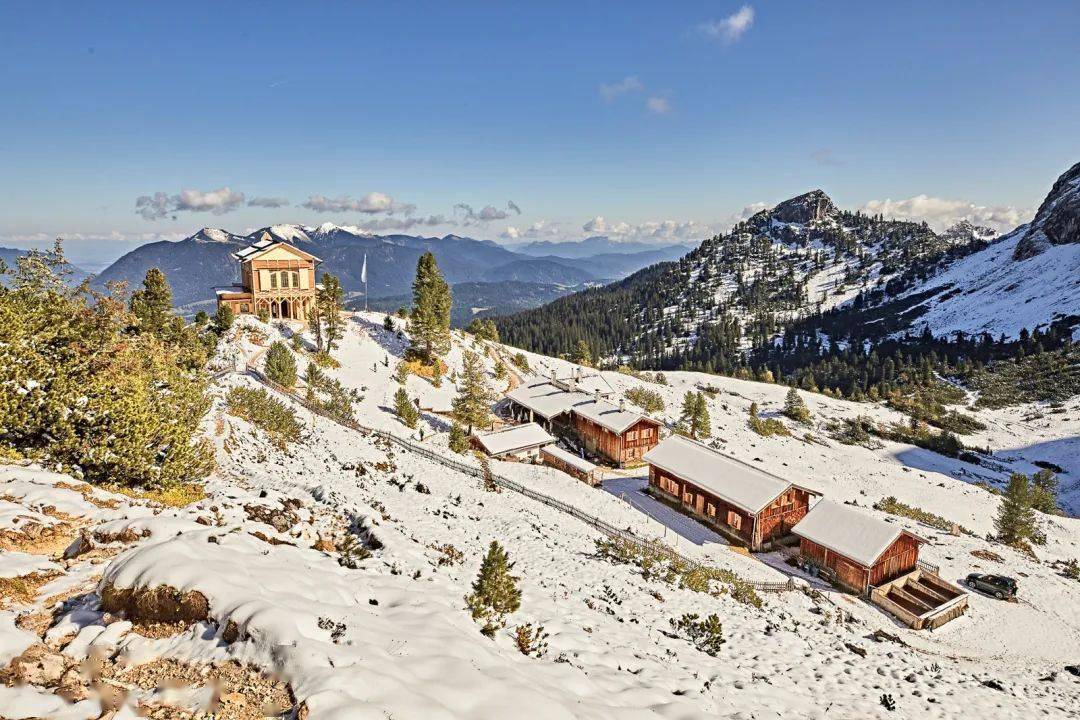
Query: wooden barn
[[603, 427], [520, 442], [620, 435], [571, 464], [860, 551], [744, 503]]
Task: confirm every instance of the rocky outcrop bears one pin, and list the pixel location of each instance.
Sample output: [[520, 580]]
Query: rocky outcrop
[[1058, 220], [806, 208]]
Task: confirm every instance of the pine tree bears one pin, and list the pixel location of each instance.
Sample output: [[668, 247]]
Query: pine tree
[[494, 593], [430, 321], [1044, 488], [405, 409], [330, 300], [281, 365], [795, 408], [223, 319], [472, 406], [694, 419], [581, 354], [459, 441], [315, 324], [152, 305], [1016, 523]]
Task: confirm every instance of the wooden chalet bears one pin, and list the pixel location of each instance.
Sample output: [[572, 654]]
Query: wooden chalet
[[275, 277], [603, 427], [744, 503], [859, 551], [519, 442]]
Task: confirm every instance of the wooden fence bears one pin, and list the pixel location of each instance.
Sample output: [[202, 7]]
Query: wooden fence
[[603, 526]]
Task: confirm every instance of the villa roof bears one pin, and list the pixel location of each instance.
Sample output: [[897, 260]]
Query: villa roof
[[267, 243], [545, 399]]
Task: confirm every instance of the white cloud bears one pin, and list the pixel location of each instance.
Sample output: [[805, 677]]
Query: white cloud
[[487, 213], [268, 202], [941, 213], [160, 205], [539, 229], [655, 231], [732, 27], [373, 203], [658, 105], [628, 84], [402, 224]]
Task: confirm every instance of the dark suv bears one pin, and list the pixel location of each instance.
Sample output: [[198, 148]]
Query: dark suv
[[999, 586]]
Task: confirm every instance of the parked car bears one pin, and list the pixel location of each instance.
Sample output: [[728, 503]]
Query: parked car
[[999, 586]]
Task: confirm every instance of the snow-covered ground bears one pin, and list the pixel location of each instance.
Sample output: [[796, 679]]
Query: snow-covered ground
[[392, 638]]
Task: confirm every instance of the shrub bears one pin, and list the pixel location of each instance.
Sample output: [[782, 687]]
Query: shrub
[[894, 507], [648, 400], [267, 413], [531, 641], [705, 635], [263, 314], [223, 318], [459, 441], [281, 365], [521, 362], [795, 408], [765, 426]]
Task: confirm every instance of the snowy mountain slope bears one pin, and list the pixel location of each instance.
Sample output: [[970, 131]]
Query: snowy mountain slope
[[393, 637], [990, 291]]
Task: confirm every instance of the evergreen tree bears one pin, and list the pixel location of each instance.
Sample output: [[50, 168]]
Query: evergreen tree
[[581, 354], [494, 593], [223, 319], [330, 300], [281, 365], [1044, 488], [694, 419], [1016, 523], [430, 321], [152, 305], [315, 324], [459, 441], [405, 409], [81, 392], [388, 324], [472, 406], [795, 408], [483, 329]]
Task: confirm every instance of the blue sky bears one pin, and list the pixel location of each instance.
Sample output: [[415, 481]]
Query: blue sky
[[646, 121]]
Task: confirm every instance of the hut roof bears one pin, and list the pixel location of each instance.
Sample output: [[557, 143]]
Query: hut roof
[[733, 481], [514, 439], [569, 458], [849, 532]]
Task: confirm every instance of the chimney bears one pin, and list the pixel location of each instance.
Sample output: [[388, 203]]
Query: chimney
[[622, 405], [596, 395]]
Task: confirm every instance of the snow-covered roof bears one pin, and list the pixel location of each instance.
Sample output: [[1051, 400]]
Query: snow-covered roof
[[230, 290], [514, 439], [733, 481], [545, 399], [849, 532], [607, 415], [569, 458], [265, 243], [594, 383]]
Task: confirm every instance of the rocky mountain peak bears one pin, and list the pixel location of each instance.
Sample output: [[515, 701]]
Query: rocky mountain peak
[[806, 208], [217, 235], [1058, 220]]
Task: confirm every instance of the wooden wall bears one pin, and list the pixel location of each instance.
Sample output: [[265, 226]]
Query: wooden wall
[[728, 518], [849, 573], [780, 516], [900, 558], [620, 449]]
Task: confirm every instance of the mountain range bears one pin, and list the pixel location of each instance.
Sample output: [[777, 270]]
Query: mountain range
[[198, 264], [806, 258]]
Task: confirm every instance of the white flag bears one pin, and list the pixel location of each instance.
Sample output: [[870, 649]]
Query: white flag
[[363, 270]]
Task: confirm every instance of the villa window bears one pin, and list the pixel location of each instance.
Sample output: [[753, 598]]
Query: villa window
[[244, 307], [273, 280], [296, 280]]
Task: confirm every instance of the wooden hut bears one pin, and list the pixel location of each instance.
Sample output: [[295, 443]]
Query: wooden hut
[[858, 550], [620, 435], [744, 503], [571, 464], [520, 442]]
